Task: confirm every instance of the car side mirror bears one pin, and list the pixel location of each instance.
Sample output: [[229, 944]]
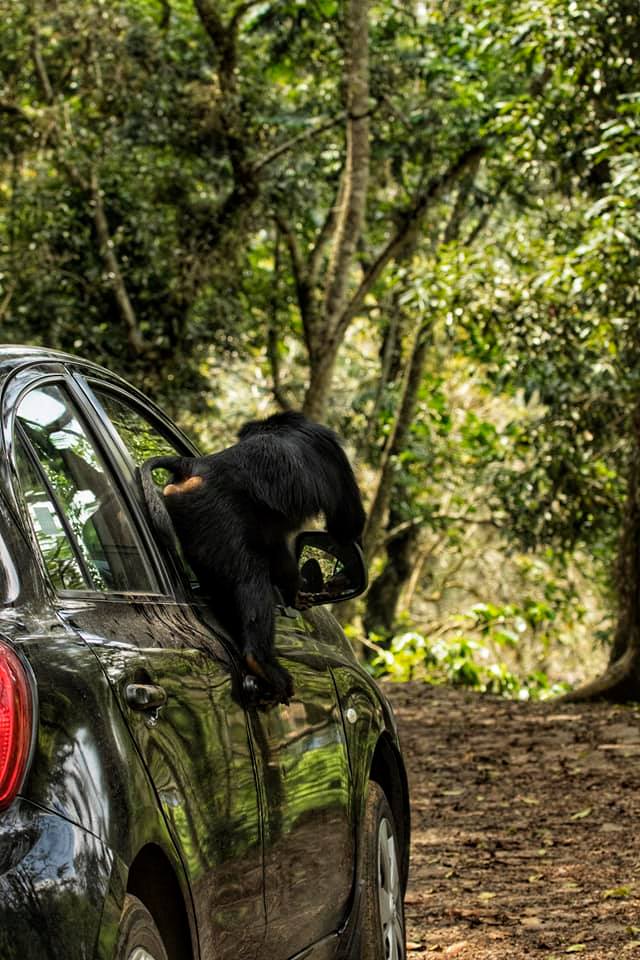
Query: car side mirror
[[329, 571]]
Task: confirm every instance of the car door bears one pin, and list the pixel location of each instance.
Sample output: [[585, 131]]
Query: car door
[[172, 680], [300, 749]]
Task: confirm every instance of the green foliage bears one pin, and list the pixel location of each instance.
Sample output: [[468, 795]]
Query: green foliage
[[460, 661], [519, 274]]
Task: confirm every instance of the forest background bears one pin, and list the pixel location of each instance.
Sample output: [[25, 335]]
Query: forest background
[[417, 221]]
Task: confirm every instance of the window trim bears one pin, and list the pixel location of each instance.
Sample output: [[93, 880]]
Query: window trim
[[67, 384]]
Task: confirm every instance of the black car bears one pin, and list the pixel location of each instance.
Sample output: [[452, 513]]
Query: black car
[[147, 809]]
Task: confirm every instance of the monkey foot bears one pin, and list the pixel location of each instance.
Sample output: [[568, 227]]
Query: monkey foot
[[275, 678], [257, 695]]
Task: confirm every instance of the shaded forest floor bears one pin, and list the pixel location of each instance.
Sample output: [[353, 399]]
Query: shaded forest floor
[[525, 826]]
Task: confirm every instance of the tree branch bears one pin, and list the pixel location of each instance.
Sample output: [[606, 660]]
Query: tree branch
[[14, 110], [397, 113], [418, 521], [303, 293], [390, 345], [396, 439], [136, 341], [239, 13], [6, 300], [165, 15], [409, 226], [41, 67], [224, 39], [484, 217], [212, 22], [273, 330], [452, 229], [294, 141], [324, 235], [41, 70]]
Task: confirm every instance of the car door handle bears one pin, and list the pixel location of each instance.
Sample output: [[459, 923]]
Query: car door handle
[[145, 696]]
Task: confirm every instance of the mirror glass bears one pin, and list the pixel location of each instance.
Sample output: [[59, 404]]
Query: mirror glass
[[330, 571]]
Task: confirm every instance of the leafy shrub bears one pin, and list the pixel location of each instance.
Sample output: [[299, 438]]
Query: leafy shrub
[[461, 661]]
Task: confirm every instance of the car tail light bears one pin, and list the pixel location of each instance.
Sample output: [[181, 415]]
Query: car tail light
[[16, 724]]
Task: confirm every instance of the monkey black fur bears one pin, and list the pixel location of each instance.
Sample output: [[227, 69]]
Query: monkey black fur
[[235, 511]]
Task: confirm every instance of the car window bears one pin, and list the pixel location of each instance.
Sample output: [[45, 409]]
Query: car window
[[59, 556], [143, 440], [74, 505], [140, 437]]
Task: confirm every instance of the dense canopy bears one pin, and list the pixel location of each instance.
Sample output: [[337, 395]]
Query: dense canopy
[[419, 222]]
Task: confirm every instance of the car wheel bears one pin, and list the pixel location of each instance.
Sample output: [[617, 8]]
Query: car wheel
[[383, 934], [138, 936]]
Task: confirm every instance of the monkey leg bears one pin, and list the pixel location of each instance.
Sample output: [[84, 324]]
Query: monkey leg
[[255, 609]]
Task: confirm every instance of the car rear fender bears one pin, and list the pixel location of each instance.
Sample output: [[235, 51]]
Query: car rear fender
[[86, 770], [152, 879]]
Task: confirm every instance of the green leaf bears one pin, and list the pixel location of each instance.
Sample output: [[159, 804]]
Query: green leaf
[[581, 814], [617, 893]]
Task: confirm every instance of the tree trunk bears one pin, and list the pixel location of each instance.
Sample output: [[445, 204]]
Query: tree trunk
[[355, 178], [621, 679], [326, 331], [391, 372], [397, 441], [318, 392], [384, 594]]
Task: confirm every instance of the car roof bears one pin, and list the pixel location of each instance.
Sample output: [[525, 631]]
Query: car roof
[[14, 356]]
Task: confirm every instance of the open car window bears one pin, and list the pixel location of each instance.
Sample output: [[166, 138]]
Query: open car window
[[79, 517], [141, 438]]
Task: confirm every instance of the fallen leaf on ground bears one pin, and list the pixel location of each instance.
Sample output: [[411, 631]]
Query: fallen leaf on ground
[[617, 893], [456, 948], [548, 873]]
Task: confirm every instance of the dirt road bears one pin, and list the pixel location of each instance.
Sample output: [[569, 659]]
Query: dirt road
[[525, 827]]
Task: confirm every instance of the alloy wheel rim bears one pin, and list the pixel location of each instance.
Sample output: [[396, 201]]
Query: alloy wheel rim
[[389, 893], [139, 953]]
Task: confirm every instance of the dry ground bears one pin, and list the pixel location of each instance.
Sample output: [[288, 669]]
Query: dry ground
[[525, 827]]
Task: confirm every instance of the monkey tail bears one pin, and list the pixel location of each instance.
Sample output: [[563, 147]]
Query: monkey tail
[[178, 466]]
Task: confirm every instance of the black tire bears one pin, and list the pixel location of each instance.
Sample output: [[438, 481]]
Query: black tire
[[138, 933], [383, 930]]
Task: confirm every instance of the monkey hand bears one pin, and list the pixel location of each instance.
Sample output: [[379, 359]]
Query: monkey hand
[[305, 599], [256, 694]]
